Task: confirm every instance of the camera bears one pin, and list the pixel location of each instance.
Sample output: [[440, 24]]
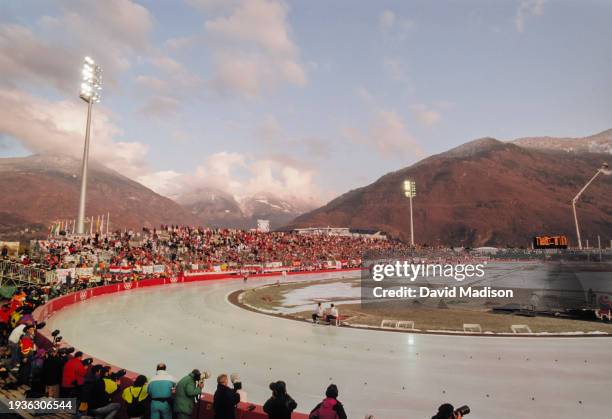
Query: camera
[[65, 351], [118, 374], [463, 410], [87, 361], [55, 333], [204, 375]]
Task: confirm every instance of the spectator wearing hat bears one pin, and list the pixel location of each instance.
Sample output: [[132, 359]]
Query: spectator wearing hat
[[280, 405], [330, 407], [187, 389], [446, 411]]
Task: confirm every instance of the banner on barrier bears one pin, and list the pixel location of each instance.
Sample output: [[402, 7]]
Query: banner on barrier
[[84, 272], [62, 274]]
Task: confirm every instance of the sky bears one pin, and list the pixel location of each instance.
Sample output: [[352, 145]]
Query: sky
[[301, 99]]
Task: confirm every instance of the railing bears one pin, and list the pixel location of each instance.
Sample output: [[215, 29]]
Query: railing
[[15, 273]]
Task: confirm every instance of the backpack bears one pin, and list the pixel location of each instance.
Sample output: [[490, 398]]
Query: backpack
[[325, 411], [137, 407]]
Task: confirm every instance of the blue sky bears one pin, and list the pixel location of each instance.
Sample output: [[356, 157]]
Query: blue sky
[[303, 99]]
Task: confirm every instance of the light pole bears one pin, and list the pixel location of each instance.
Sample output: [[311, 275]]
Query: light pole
[[602, 170], [90, 93], [410, 192]]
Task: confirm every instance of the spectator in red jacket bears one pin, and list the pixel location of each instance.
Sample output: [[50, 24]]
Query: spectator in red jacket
[[27, 349], [73, 376]]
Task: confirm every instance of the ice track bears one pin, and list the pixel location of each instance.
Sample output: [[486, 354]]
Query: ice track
[[390, 375]]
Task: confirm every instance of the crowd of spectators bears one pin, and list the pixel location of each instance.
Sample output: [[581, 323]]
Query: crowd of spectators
[[127, 255]]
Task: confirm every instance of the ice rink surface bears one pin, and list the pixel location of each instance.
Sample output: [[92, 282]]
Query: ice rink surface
[[390, 375]]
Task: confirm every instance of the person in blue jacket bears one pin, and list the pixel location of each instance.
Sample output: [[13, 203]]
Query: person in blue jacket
[[160, 389]]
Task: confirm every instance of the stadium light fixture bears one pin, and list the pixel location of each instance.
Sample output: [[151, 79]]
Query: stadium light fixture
[[410, 192], [91, 85], [603, 170]]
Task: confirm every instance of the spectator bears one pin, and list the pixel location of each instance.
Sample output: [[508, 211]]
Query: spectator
[[225, 399], [330, 407], [27, 349], [446, 411], [135, 397], [187, 389], [13, 343], [99, 402], [280, 405], [318, 313], [160, 389], [73, 376], [52, 373], [92, 375]]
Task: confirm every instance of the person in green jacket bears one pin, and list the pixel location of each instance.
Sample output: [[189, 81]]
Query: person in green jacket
[[187, 389]]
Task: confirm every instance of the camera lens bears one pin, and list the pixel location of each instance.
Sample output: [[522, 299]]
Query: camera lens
[[463, 410]]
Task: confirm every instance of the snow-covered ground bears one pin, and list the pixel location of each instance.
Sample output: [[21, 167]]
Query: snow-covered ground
[[302, 299], [390, 375]]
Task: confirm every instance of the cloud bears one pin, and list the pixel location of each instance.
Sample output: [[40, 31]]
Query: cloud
[[161, 106], [163, 182], [527, 9], [387, 134], [57, 127], [395, 69], [386, 19], [269, 131], [25, 58], [241, 175], [252, 49], [395, 27], [425, 114], [49, 53]]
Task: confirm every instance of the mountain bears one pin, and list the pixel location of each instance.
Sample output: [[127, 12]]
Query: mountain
[[485, 192], [213, 207], [37, 190], [598, 143], [216, 208]]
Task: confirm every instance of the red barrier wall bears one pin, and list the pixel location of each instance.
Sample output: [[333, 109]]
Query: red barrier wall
[[205, 407]]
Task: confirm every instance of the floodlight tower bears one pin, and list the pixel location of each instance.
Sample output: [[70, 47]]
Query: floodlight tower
[[90, 93], [603, 170], [410, 192]]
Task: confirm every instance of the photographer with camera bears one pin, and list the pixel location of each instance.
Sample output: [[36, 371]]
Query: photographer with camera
[[135, 397], [99, 402], [447, 411], [187, 390], [52, 372], [73, 375], [225, 399]]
